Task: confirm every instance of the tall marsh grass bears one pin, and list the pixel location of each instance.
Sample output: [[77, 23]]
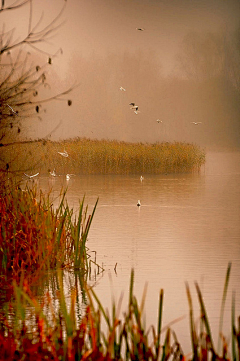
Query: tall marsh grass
[[126, 337], [103, 157], [35, 236]]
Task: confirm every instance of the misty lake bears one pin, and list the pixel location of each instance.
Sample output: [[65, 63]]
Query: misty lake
[[187, 229]]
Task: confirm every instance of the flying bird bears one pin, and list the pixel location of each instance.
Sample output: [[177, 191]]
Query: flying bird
[[138, 203], [31, 176], [196, 123], [135, 107], [64, 154], [12, 110], [122, 89], [140, 29]]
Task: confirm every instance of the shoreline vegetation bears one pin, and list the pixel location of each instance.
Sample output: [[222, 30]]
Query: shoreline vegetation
[[86, 156], [37, 238], [60, 336]]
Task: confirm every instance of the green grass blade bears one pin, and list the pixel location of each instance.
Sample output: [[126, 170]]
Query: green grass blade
[[234, 357], [222, 305], [159, 325], [204, 316], [101, 308], [166, 346], [192, 325], [131, 287], [90, 221], [77, 259]]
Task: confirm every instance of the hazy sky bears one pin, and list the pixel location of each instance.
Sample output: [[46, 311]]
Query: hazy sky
[[98, 38], [103, 26]]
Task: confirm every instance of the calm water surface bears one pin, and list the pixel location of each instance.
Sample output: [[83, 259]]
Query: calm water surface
[[187, 229]]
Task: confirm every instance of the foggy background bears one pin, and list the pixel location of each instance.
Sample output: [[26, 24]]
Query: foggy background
[[183, 68]]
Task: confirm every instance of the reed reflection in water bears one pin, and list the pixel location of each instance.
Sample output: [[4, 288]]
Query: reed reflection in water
[[187, 229]]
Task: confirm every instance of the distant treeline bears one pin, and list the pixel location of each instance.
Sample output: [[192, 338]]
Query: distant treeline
[[203, 87]]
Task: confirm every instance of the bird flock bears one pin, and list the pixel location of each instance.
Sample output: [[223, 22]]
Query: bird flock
[[136, 110], [133, 107], [53, 172]]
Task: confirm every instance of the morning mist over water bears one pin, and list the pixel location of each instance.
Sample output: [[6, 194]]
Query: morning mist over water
[[146, 71], [182, 67]]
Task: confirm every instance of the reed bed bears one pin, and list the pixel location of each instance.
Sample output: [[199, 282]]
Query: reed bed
[[35, 236], [104, 157], [126, 337]]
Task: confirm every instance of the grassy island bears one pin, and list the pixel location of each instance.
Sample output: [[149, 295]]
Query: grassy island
[[36, 238], [87, 156]]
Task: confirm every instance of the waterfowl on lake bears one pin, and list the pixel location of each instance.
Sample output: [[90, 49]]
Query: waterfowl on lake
[[138, 203], [64, 154], [53, 173], [68, 176]]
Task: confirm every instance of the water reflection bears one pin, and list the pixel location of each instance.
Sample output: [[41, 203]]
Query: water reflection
[[187, 229]]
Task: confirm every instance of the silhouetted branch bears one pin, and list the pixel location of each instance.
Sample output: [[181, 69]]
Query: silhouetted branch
[[14, 6], [20, 81], [33, 35]]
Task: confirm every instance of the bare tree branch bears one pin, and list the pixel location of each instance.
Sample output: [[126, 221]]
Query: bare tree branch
[[22, 81], [14, 6]]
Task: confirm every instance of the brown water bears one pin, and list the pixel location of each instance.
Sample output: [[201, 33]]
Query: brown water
[[187, 229]]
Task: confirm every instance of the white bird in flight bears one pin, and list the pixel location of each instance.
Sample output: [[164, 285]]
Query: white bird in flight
[[64, 154], [12, 110], [135, 107], [122, 89], [196, 123], [31, 176], [141, 178]]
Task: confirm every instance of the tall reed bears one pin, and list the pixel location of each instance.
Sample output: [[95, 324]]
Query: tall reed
[[35, 236], [202, 341], [104, 157], [126, 338]]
